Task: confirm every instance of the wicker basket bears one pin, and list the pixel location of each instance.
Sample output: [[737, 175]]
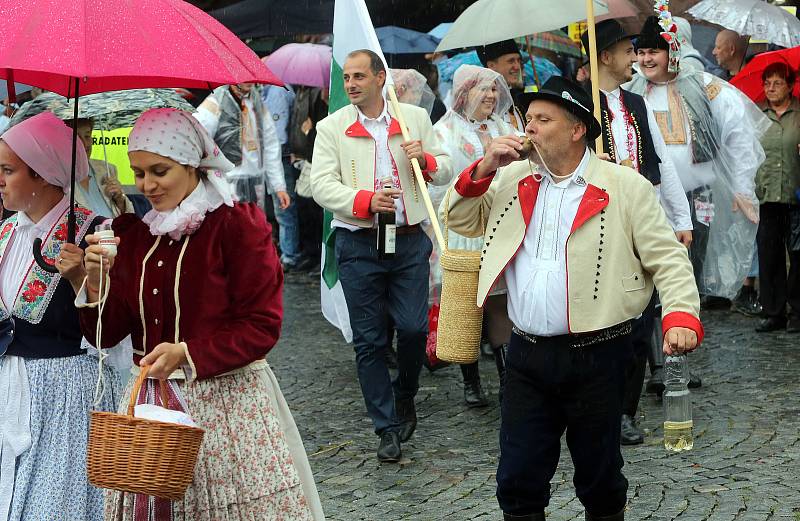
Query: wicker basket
[[141, 456], [460, 319]]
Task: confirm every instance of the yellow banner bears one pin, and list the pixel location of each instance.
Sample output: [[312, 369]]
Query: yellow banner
[[576, 30], [112, 145]]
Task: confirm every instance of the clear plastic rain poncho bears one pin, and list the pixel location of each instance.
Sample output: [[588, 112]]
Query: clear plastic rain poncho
[[712, 133], [412, 88], [480, 98]]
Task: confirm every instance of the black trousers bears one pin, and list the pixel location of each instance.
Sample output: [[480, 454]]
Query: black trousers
[[551, 388], [375, 290], [774, 239], [641, 340]]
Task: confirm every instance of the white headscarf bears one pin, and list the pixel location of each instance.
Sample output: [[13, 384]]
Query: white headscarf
[[177, 135], [44, 143]]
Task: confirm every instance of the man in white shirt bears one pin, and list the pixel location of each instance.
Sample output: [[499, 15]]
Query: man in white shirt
[[631, 137], [357, 149], [580, 243]]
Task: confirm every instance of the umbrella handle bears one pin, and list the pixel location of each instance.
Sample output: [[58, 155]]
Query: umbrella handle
[[37, 256]]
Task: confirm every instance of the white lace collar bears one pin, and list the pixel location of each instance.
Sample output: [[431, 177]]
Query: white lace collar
[[187, 217]]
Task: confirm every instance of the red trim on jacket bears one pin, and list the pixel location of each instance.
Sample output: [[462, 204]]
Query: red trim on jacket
[[594, 200], [430, 166], [467, 187], [528, 191], [358, 130], [683, 319], [361, 204], [394, 127], [527, 198]]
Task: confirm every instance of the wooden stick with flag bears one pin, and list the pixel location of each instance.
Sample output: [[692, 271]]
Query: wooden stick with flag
[[353, 30]]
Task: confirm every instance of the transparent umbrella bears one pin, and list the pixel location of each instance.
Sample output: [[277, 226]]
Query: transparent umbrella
[[755, 18]]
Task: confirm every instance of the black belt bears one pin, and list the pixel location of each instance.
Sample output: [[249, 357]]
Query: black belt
[[576, 340], [400, 230]]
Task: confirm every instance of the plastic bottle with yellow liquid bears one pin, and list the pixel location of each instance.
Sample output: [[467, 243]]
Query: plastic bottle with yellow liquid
[[677, 405]]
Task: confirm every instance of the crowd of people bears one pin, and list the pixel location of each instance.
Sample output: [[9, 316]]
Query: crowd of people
[[595, 263]]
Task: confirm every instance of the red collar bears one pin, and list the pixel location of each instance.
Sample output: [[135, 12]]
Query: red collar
[[358, 130], [594, 200]]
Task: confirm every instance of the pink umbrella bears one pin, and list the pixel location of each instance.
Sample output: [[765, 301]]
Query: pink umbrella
[[78, 47], [619, 9], [121, 44], [302, 64]]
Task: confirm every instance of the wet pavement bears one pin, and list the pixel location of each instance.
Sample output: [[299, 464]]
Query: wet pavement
[[745, 464]]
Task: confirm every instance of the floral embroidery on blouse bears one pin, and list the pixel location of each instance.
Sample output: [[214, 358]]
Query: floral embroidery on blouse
[[40, 285]]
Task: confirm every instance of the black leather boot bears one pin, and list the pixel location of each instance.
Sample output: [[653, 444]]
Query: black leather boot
[[500, 361], [630, 433], [389, 448], [539, 516], [619, 516], [473, 392], [407, 414]]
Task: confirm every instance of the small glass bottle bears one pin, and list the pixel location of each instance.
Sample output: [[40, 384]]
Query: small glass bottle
[[677, 404], [387, 229], [105, 235]]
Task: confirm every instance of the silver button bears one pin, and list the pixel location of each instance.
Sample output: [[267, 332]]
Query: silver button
[[156, 321], [155, 291], [160, 263], [170, 243]]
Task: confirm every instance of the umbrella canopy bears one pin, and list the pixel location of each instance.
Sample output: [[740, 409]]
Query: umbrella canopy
[[755, 18], [103, 45], [109, 110], [398, 40], [490, 21], [556, 41], [259, 18], [440, 30], [619, 9], [306, 64], [120, 44], [749, 78]]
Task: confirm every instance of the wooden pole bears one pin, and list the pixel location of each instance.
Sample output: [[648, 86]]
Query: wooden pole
[[426, 198], [533, 62], [595, 79]]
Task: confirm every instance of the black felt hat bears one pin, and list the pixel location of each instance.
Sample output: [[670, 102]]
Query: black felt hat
[[650, 35], [607, 33], [569, 95], [493, 51]]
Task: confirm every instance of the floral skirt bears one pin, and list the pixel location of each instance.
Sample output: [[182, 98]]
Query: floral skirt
[[252, 465], [50, 481]]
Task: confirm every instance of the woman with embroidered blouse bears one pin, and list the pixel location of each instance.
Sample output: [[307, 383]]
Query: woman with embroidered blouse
[[198, 285], [480, 99], [47, 381]]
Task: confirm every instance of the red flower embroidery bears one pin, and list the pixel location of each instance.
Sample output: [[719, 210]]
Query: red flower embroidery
[[6, 229], [36, 289], [469, 149], [61, 232]]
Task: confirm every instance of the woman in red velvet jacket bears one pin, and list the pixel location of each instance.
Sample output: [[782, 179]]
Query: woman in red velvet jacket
[[198, 285]]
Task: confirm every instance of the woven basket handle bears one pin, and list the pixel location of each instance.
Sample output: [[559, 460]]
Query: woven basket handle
[[137, 386], [447, 213]]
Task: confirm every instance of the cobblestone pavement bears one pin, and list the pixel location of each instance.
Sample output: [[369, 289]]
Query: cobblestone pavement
[[745, 464]]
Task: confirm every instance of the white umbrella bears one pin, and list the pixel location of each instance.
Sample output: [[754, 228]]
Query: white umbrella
[[489, 21], [755, 18]]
